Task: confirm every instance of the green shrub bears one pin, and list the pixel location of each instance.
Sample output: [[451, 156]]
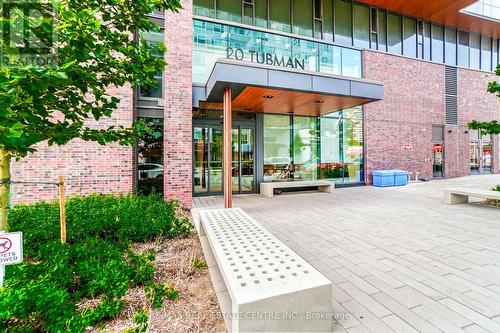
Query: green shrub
[[47, 292]]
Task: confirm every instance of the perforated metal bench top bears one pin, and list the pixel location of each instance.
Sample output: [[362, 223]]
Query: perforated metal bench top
[[255, 264]]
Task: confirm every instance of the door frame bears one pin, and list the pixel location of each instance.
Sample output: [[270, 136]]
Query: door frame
[[218, 124]]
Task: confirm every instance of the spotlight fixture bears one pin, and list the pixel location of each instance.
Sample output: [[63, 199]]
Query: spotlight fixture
[[267, 96], [247, 109], [290, 112], [319, 101]]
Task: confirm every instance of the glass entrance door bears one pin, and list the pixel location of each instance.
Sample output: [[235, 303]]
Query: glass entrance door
[[437, 165], [207, 160]]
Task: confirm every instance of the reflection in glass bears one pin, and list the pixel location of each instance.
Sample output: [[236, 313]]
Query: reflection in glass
[[229, 10], [450, 50], [361, 25], [463, 48], [351, 63], [279, 15], [486, 53], [302, 17], [200, 147], [410, 37], [475, 46], [437, 43], [394, 33], [277, 147], [353, 144], [211, 40], [215, 160], [305, 148], [343, 22], [150, 159], [247, 159]]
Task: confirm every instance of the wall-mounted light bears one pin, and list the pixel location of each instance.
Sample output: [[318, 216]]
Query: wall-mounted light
[[450, 131], [466, 132]]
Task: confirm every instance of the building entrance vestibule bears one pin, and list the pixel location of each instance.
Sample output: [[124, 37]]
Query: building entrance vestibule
[[208, 157]]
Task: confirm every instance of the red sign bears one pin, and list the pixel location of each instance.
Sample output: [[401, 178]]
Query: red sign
[[407, 146], [5, 244], [437, 148]]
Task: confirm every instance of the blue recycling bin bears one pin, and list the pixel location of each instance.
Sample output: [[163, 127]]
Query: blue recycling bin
[[383, 178], [400, 177]]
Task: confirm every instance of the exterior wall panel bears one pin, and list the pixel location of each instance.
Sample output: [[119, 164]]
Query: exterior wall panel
[[87, 167], [414, 101], [178, 146]]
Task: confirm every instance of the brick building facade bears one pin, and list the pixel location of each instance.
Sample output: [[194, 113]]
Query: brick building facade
[[397, 132]]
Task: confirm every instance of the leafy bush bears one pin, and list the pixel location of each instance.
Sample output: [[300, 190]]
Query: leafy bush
[[48, 292]]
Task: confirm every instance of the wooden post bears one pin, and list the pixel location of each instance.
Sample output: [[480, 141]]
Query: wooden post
[[62, 210], [227, 136]]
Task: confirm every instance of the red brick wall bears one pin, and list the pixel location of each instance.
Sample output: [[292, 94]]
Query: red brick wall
[[474, 103], [178, 105], [87, 167], [413, 102]]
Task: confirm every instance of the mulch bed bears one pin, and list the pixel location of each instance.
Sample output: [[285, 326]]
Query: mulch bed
[[196, 309]]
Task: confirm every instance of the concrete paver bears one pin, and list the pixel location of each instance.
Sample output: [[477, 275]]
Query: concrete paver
[[399, 258]]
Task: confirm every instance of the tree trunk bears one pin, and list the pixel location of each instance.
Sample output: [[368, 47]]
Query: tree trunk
[[4, 188]]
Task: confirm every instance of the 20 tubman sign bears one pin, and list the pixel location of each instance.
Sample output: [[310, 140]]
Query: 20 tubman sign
[[265, 58]]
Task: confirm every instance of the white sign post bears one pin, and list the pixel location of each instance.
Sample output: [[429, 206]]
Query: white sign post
[[11, 251]]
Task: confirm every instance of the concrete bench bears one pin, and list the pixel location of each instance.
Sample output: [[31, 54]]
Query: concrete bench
[[461, 195], [267, 189], [266, 286]]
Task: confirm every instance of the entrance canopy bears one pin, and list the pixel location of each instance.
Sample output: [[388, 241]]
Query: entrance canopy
[[270, 89]]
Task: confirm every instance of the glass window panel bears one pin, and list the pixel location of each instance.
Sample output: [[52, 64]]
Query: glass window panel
[[475, 45], [318, 29], [305, 148], [204, 8], [331, 166], [317, 10], [277, 147], [209, 44], [229, 10], [343, 22], [486, 53], [330, 59], [410, 37], [463, 48], [361, 25], [437, 43], [495, 53], [450, 50], [328, 20], [353, 144], [373, 28], [427, 41], [351, 62], [394, 33], [150, 159], [382, 31], [307, 50], [302, 17], [279, 15], [248, 14], [260, 13]]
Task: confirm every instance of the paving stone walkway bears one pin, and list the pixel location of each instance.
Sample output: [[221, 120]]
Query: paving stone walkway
[[400, 259]]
